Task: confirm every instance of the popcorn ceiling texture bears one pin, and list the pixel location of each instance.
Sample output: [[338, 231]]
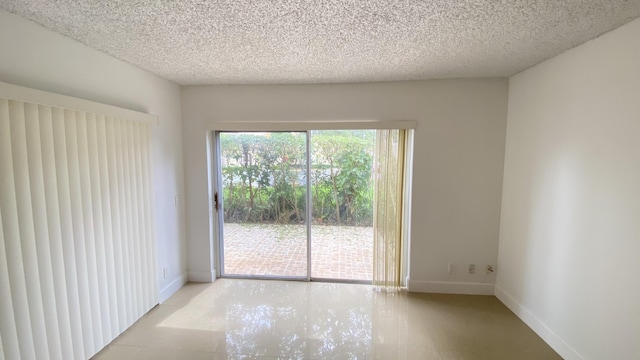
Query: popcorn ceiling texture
[[328, 41]]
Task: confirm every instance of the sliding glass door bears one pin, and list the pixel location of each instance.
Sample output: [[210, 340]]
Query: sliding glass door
[[263, 202], [342, 199], [296, 204]]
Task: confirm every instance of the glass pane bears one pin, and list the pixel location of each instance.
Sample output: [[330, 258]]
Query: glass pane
[[342, 195], [264, 203]]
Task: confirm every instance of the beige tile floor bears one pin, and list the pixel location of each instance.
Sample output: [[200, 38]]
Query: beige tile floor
[[256, 319]]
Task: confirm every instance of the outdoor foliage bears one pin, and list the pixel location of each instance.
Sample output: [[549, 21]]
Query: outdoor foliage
[[264, 177]]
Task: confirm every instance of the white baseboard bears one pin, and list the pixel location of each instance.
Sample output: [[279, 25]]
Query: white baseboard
[[551, 338], [451, 287], [202, 276], [173, 286]]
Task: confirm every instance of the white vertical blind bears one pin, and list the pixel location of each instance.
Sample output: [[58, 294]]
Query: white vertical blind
[[77, 252]]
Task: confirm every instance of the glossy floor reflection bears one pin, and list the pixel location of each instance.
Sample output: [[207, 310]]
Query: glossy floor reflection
[[255, 319]]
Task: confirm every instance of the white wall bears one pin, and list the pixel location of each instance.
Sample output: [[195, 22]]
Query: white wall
[[33, 56], [459, 149], [570, 229]]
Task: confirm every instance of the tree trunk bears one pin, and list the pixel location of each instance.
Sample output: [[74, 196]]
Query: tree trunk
[[295, 199], [335, 192], [230, 200]]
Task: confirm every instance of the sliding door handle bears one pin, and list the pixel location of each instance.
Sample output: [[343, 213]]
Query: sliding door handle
[[215, 201]]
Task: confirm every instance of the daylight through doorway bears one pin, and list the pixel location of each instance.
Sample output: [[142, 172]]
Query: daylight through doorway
[[263, 197], [264, 207], [342, 198]]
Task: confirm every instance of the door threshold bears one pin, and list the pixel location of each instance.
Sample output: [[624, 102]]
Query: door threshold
[[296, 278], [264, 277]]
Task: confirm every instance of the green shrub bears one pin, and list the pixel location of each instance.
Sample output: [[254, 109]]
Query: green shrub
[[264, 177]]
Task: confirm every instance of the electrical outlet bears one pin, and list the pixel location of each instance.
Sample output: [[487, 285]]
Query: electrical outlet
[[165, 273], [489, 269], [450, 269], [472, 268]]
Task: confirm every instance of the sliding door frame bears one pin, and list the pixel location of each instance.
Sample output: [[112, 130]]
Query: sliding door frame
[[309, 215], [216, 217], [218, 212]]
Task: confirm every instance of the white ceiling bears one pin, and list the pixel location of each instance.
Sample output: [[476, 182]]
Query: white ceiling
[[328, 41]]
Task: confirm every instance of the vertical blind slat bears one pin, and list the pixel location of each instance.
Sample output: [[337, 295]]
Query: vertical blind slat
[[131, 223], [41, 229], [77, 246], [133, 258], [108, 254], [128, 221], [114, 180], [124, 223], [79, 230], [55, 232], [98, 221], [141, 219], [10, 345], [152, 260], [1, 348], [8, 326], [27, 226], [136, 260], [15, 262], [66, 229], [89, 231]]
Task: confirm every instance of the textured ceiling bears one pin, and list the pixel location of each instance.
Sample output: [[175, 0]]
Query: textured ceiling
[[328, 41]]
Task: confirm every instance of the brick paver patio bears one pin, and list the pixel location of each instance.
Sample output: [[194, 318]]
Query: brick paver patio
[[338, 252]]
